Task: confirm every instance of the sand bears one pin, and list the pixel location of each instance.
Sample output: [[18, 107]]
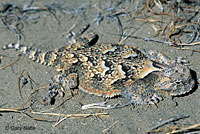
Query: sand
[[46, 34]]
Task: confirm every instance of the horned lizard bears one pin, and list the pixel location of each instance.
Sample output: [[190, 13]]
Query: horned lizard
[[109, 70]]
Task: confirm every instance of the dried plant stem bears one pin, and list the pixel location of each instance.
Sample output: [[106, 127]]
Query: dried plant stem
[[10, 64], [57, 123], [178, 117], [17, 111], [110, 126], [191, 44], [71, 115], [185, 128]]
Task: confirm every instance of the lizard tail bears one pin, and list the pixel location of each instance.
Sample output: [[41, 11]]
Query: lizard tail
[[46, 58]]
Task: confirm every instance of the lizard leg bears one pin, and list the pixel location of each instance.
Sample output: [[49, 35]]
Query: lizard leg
[[143, 91], [136, 98], [60, 83], [81, 39]]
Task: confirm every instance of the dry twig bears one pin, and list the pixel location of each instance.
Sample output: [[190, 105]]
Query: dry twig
[[71, 115], [18, 111], [178, 117], [110, 126], [181, 130], [100, 105], [10, 64]]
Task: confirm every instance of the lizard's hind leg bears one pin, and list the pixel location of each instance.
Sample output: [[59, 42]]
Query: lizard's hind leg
[[82, 39]]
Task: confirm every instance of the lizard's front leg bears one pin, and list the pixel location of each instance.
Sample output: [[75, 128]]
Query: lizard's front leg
[[60, 83]]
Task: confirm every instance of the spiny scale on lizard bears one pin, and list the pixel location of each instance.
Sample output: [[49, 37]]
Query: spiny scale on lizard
[[108, 70]]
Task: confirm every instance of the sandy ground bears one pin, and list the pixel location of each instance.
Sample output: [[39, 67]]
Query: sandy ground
[[45, 33]]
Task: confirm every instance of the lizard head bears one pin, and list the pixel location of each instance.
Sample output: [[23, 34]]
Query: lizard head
[[176, 79]]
